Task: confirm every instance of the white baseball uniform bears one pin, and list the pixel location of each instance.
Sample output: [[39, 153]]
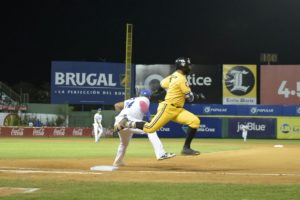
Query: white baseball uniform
[[244, 129], [135, 109], [98, 129]]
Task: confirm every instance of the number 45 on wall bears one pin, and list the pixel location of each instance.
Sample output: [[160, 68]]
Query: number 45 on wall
[[286, 92]]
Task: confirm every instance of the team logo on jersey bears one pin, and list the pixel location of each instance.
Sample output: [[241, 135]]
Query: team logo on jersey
[[239, 80]]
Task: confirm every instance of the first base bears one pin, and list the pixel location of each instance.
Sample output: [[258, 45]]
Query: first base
[[104, 168]]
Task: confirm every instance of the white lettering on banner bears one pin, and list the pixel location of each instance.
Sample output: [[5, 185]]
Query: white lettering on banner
[[261, 110], [80, 79], [77, 132], [163, 129], [199, 80], [59, 132], [204, 128], [208, 109], [38, 132], [17, 132], [252, 126]]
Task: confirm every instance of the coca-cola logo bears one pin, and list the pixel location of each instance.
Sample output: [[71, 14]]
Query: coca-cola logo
[[17, 132], [59, 132], [38, 132], [77, 132]]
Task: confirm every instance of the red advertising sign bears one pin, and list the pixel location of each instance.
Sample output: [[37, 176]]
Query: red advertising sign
[[280, 84], [45, 132]]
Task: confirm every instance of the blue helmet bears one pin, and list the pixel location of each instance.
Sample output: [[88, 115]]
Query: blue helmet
[[145, 93]]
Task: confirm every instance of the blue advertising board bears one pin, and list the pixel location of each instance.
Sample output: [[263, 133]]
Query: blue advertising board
[[260, 110], [258, 127], [87, 82], [211, 109], [289, 110]]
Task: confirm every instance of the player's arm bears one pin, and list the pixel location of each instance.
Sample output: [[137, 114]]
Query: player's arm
[[165, 82], [119, 106]]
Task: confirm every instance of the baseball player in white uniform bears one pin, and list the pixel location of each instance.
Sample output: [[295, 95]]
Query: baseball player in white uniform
[[98, 129], [244, 128], [136, 109]]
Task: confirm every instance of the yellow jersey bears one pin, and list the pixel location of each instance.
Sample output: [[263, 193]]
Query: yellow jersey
[[177, 87]]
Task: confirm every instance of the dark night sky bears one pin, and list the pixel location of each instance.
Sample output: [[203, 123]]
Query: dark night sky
[[33, 33]]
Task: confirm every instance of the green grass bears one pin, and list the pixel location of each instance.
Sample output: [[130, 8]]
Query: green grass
[[39, 148], [77, 148], [76, 190]]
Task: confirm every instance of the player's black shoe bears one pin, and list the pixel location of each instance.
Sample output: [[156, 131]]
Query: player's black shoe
[[189, 152]]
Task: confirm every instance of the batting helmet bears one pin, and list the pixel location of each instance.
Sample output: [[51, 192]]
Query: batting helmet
[[145, 93], [99, 110], [184, 64]]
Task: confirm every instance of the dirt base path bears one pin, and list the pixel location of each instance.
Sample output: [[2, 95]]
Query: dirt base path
[[259, 164]]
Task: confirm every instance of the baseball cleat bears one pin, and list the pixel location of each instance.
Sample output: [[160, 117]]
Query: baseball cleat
[[121, 124], [166, 156], [189, 151], [119, 164]]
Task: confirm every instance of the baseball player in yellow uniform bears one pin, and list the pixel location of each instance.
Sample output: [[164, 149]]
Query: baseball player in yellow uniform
[[178, 91]]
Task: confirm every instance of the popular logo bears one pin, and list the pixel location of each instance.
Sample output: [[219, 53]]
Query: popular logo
[[239, 80], [206, 109], [255, 110]]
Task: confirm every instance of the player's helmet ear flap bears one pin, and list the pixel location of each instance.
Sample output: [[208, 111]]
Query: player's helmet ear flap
[[184, 64], [145, 93]]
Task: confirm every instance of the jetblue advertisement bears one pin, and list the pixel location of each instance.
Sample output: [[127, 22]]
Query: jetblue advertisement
[[87, 82], [257, 127]]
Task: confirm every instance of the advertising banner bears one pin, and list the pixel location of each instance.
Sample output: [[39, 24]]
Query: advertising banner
[[87, 82], [288, 128], [290, 110], [210, 128], [239, 84], [259, 110], [45, 132], [205, 79], [258, 127], [280, 84], [211, 109]]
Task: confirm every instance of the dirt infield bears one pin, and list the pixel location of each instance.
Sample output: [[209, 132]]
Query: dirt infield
[[258, 164]]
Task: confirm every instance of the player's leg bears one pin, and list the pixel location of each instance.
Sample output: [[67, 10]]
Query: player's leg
[[100, 131], [193, 122], [125, 137], [95, 131], [159, 150], [164, 114]]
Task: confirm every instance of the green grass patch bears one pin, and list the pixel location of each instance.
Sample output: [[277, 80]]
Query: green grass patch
[[53, 148], [76, 190]]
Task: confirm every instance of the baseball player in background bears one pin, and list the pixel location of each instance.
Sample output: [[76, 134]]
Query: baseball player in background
[[136, 109], [98, 129], [178, 91], [244, 128]]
